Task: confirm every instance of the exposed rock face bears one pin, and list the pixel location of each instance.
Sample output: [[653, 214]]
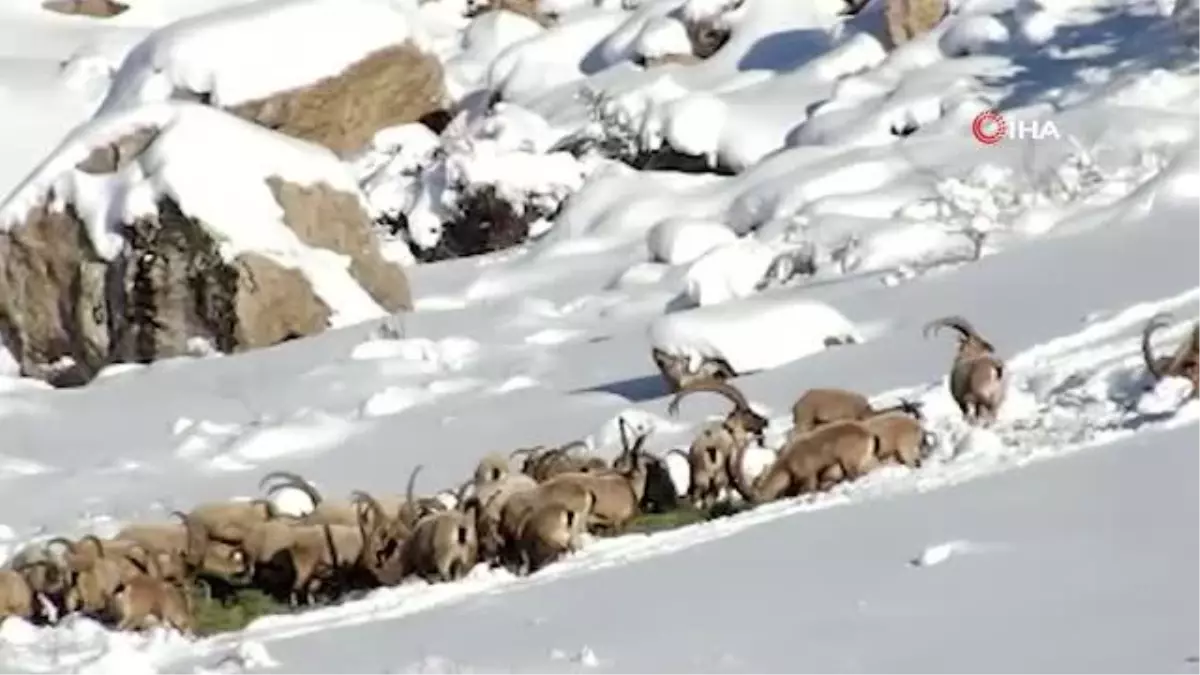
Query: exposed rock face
[[66, 311], [326, 218], [908, 19], [387, 88]]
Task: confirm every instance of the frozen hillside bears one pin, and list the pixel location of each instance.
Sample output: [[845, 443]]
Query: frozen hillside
[[482, 257]]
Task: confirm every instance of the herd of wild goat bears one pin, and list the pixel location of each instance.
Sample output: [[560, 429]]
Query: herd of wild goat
[[521, 519]]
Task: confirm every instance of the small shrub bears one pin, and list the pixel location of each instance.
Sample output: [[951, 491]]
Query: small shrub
[[234, 612]]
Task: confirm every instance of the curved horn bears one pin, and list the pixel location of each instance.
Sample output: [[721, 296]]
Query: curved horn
[[285, 475], [564, 449], [363, 497], [680, 452], [1157, 321], [147, 563], [623, 427], [294, 481], [197, 540], [524, 451], [954, 322], [461, 493], [95, 541], [66, 543], [735, 395], [412, 482]]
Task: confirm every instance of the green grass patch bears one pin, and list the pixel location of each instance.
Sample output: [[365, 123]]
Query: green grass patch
[[235, 613], [247, 604], [647, 523]]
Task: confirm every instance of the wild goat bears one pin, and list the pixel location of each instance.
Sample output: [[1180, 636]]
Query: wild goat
[[296, 560], [97, 570], [710, 452], [1184, 362], [229, 521], [325, 512], [494, 484], [550, 531], [46, 574], [443, 545], [977, 376], [678, 374], [542, 463], [617, 493], [17, 598], [849, 446], [517, 535], [901, 433], [742, 422], [145, 600], [824, 405]]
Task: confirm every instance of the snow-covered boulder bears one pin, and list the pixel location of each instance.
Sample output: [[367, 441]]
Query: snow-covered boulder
[[330, 71], [753, 334], [728, 271], [149, 232]]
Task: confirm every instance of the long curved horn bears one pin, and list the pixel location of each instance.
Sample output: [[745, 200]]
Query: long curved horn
[[285, 475], [735, 395], [954, 322], [525, 451], [147, 563], [1157, 321], [294, 481], [568, 447], [363, 497], [197, 540], [66, 543], [412, 483], [460, 493], [96, 541]]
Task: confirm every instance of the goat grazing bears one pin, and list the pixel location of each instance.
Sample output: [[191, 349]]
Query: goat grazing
[[801, 463]]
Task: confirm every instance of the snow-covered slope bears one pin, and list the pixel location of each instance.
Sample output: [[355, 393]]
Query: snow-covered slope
[[1024, 559]]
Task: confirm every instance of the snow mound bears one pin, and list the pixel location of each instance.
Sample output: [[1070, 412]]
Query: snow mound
[[729, 271], [1168, 395], [215, 167], [682, 240], [257, 49], [755, 334]]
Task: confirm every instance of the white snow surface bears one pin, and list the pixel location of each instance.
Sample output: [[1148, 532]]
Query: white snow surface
[[1023, 547]]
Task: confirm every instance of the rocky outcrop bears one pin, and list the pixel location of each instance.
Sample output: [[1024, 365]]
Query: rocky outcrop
[[388, 88], [65, 312], [165, 283], [327, 218], [333, 72]]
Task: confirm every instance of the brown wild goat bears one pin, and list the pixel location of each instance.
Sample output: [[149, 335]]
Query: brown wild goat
[[803, 460], [977, 376]]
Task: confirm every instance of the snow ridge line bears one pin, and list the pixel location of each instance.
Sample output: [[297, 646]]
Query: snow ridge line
[[1020, 442]]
